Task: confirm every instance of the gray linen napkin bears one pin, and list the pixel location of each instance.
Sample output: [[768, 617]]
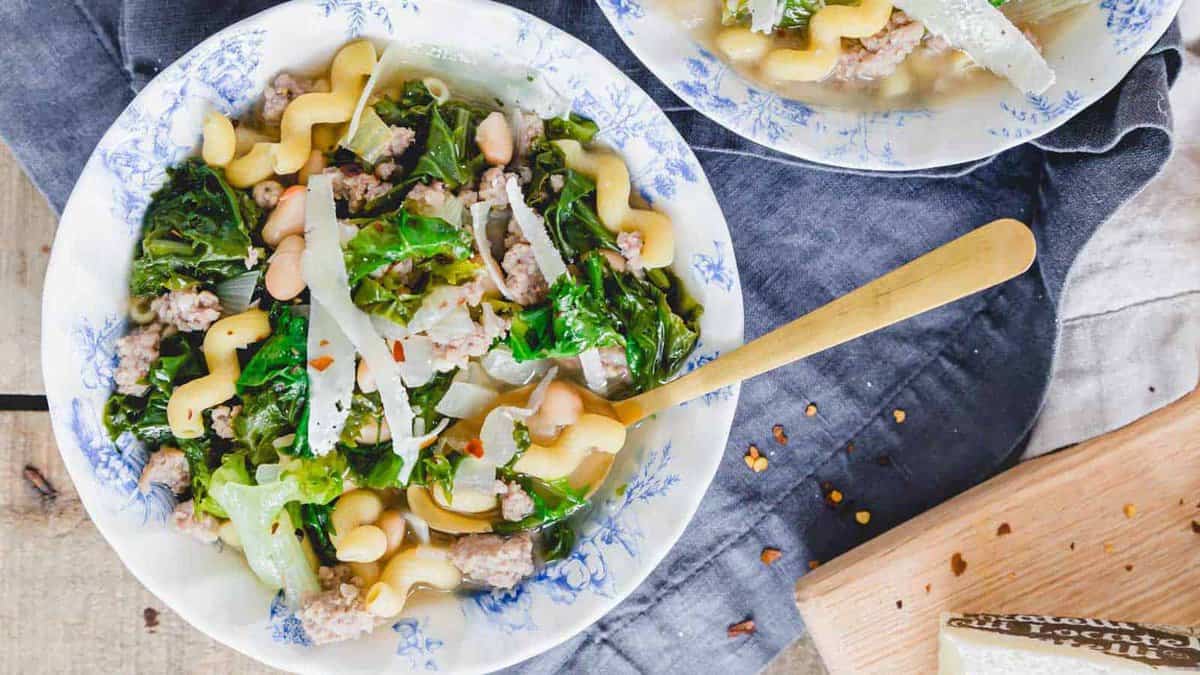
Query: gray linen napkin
[[969, 378]]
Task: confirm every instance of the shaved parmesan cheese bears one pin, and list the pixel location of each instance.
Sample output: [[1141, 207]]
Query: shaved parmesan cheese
[[436, 305], [496, 434], [479, 222], [325, 274], [765, 15], [455, 325], [987, 36], [417, 366], [464, 400], [533, 228], [500, 364], [388, 328], [474, 476], [593, 371], [388, 61], [329, 389]]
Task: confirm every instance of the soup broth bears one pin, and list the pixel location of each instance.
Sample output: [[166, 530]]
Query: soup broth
[[900, 67]]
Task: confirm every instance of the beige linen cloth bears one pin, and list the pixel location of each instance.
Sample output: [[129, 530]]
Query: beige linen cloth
[[1130, 339]]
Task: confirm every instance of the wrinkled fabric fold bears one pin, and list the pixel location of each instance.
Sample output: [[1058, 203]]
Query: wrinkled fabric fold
[[967, 380]]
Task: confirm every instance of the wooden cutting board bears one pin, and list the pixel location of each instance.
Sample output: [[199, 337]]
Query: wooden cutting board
[[1108, 529]]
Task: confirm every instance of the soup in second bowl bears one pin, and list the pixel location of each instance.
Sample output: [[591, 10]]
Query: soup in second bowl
[[876, 54]]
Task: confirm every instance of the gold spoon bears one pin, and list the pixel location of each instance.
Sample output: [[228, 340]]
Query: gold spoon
[[974, 262]]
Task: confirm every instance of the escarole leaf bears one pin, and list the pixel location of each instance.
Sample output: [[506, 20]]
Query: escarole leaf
[[403, 236], [553, 502], [574, 127], [196, 229], [571, 220], [575, 319], [146, 416], [447, 148], [274, 389], [267, 533]]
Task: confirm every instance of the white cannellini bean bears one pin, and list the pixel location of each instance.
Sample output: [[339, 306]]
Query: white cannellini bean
[[285, 274], [495, 139], [365, 543], [287, 218]]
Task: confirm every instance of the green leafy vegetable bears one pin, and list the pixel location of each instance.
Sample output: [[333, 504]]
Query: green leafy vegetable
[[403, 236], [574, 225], [434, 468], [557, 541], [387, 297], [575, 320], [447, 154], [553, 502], [267, 533], [315, 518], [424, 399], [274, 389], [796, 13], [146, 416], [410, 110], [319, 479], [232, 470], [574, 127], [659, 320], [196, 229]]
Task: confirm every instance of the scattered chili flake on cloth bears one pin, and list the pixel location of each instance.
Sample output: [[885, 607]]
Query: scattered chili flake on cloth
[[770, 555], [1004, 529], [810, 410], [780, 435], [863, 517], [754, 460], [741, 628], [1130, 510], [899, 415]]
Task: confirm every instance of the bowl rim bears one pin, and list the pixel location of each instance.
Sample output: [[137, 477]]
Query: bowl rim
[[808, 152], [212, 627]]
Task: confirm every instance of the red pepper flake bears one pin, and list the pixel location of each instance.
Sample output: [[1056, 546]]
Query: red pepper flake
[[321, 363], [957, 564], [780, 435], [1196, 526], [1129, 568], [742, 628], [190, 413], [324, 343], [150, 618], [814, 564], [398, 352], [810, 410], [1072, 546], [475, 448], [899, 604], [770, 555], [1004, 529], [899, 415], [928, 587]]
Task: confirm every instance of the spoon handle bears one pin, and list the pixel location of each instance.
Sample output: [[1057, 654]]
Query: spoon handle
[[990, 255]]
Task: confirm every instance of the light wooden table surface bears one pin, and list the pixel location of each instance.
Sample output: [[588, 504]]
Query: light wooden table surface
[[69, 605]]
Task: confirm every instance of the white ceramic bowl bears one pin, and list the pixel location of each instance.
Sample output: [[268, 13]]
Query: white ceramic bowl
[[1089, 57], [638, 515]]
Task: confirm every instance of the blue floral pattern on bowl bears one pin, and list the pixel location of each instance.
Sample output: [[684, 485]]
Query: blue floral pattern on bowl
[[86, 302], [612, 526], [946, 132]]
